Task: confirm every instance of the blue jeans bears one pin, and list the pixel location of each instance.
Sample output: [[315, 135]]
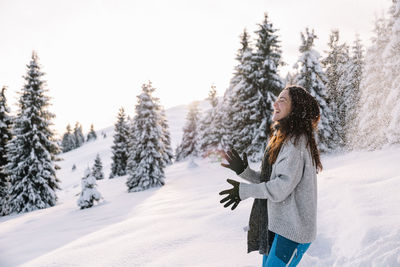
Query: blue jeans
[[284, 252]]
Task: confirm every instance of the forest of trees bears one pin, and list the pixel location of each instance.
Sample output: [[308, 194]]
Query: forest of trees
[[242, 120], [358, 91]]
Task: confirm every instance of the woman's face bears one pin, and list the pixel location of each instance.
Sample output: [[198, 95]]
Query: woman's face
[[282, 106]]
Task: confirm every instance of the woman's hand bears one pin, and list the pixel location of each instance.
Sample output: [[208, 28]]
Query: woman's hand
[[233, 195], [235, 162]]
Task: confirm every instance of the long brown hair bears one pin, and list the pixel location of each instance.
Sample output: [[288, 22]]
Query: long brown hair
[[302, 120]]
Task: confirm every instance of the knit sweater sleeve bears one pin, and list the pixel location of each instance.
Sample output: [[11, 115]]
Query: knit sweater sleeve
[[250, 175], [288, 172]]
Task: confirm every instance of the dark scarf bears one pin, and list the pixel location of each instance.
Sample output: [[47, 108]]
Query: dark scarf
[[259, 237]]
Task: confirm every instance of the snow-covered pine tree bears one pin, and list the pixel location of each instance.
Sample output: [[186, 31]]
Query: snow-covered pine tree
[[313, 79], [392, 74], [336, 65], [167, 152], [120, 147], [342, 103], [32, 149], [352, 96], [89, 192], [240, 102], [68, 140], [189, 144], [5, 137], [372, 124], [146, 163], [97, 170], [133, 155], [78, 134], [266, 59], [224, 110], [92, 134], [208, 133]]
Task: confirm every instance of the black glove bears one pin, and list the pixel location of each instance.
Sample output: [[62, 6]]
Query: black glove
[[233, 195], [235, 162]]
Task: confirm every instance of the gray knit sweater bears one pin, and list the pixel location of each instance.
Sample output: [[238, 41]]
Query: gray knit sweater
[[291, 192]]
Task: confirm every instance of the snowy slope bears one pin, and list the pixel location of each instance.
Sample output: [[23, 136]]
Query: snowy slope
[[183, 224]]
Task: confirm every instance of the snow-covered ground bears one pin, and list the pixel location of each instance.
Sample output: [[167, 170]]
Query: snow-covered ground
[[183, 223]]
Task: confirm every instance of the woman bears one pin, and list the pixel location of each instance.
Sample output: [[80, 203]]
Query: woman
[[287, 182]]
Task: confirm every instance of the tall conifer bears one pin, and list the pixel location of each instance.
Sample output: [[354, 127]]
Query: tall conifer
[[32, 149], [166, 152], [313, 79], [392, 75], [336, 65], [92, 134], [240, 101], [372, 125], [78, 134], [209, 132], [5, 137], [352, 96], [120, 146], [146, 163], [68, 141], [189, 144], [266, 61]]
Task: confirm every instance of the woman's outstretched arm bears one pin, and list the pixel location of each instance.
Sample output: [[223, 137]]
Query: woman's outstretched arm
[[288, 172]]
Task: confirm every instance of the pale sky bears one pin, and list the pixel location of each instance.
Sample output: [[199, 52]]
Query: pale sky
[[97, 53]]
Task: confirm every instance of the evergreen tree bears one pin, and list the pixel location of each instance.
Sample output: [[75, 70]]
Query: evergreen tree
[[352, 96], [68, 140], [146, 163], [78, 134], [97, 170], [240, 102], [336, 66], [372, 124], [209, 134], [313, 79], [120, 147], [267, 57], [167, 152], [340, 106], [5, 137], [89, 192], [392, 74], [189, 144], [92, 134], [266, 60], [32, 149], [224, 108], [133, 155]]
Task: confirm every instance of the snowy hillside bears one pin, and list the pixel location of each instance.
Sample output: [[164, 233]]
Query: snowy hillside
[[183, 223]]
